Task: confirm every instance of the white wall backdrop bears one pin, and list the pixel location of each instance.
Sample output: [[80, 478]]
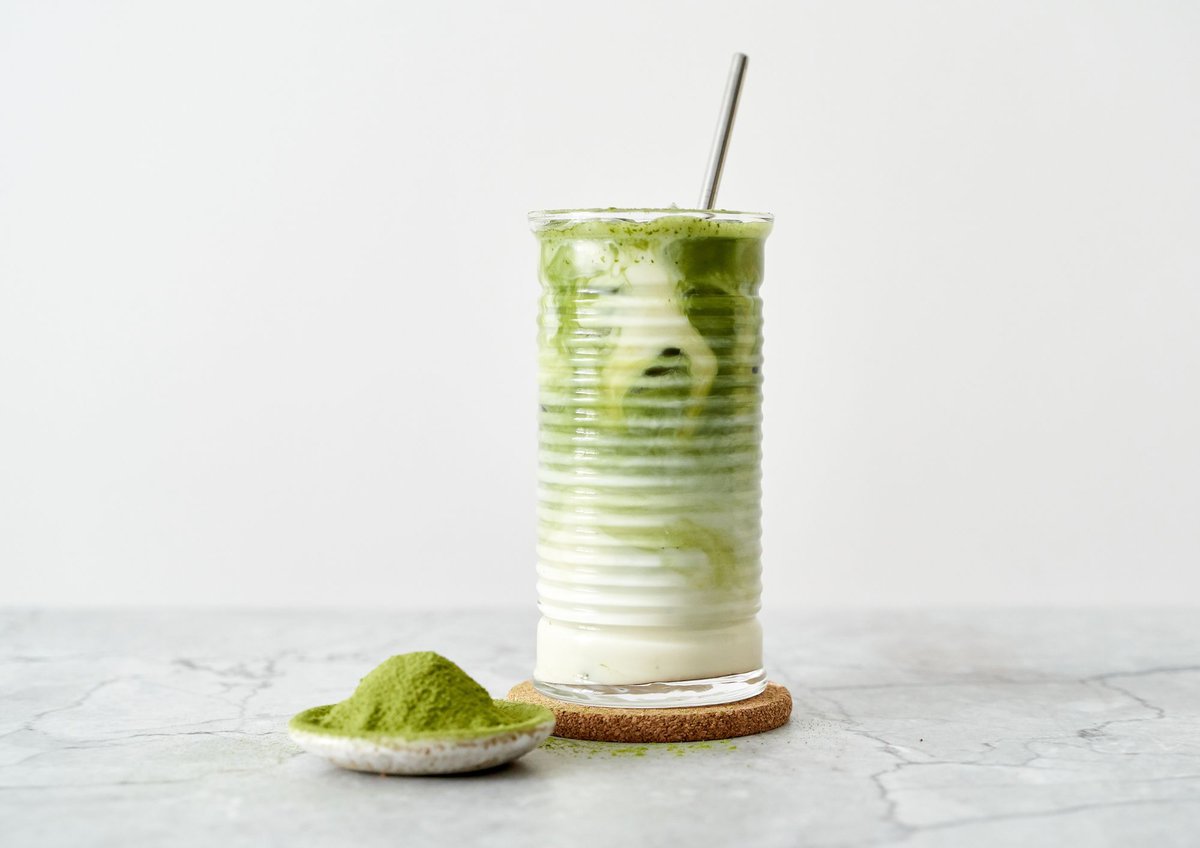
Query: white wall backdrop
[[267, 294]]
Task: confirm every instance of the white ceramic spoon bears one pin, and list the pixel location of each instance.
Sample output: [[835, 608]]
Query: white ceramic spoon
[[442, 754]]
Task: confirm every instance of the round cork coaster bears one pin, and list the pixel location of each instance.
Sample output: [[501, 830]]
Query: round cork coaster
[[759, 714]]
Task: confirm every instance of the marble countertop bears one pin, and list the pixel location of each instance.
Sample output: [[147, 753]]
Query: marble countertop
[[916, 729]]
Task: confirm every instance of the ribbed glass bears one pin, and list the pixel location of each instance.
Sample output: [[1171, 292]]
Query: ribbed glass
[[650, 354]]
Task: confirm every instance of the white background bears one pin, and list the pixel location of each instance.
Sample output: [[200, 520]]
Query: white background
[[267, 294]]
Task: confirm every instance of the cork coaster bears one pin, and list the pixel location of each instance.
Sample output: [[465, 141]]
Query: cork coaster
[[759, 714]]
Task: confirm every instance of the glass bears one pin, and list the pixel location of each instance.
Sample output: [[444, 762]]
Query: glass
[[650, 354]]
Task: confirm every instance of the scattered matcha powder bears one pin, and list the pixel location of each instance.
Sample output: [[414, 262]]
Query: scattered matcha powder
[[593, 749]]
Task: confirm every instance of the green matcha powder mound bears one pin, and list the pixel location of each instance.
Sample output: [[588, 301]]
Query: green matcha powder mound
[[415, 693]]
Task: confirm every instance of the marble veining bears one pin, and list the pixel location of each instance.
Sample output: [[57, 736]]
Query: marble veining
[[1021, 727]]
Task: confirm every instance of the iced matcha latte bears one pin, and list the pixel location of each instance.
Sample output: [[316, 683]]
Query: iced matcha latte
[[648, 508]]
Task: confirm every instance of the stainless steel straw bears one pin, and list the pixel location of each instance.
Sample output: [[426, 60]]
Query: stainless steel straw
[[716, 159]]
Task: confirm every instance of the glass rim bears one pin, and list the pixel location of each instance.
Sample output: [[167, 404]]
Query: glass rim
[[642, 215]]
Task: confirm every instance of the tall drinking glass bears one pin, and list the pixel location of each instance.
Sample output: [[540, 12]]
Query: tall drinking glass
[[650, 354]]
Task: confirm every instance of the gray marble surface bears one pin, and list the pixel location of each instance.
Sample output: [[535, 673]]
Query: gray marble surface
[[916, 729]]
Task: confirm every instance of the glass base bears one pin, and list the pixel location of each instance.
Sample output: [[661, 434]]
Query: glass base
[[677, 693]]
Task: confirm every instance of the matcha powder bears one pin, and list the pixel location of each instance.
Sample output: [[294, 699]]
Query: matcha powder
[[413, 695]]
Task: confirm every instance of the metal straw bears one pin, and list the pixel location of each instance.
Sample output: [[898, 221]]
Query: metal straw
[[716, 159]]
